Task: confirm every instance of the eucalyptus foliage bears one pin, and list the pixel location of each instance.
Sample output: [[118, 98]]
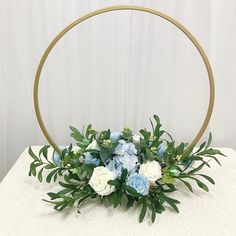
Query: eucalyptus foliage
[[176, 166]]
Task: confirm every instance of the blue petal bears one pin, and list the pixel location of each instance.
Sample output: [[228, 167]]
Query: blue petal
[[115, 136], [115, 166], [89, 159], [161, 150], [56, 158], [124, 147], [139, 183]]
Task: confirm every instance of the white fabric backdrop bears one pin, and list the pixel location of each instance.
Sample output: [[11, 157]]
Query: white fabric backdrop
[[114, 70]]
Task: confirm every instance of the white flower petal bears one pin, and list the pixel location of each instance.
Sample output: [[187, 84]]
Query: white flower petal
[[151, 170], [93, 145], [98, 181]]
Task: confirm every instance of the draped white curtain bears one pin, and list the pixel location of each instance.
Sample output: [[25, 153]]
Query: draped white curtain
[[114, 70]]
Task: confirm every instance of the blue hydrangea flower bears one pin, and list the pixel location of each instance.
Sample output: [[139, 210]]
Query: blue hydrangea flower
[[115, 136], [89, 159], [119, 163], [56, 158], [124, 147], [115, 166], [129, 162], [161, 150], [139, 183]]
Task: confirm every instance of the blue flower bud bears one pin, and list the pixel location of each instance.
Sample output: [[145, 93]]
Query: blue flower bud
[[56, 158]]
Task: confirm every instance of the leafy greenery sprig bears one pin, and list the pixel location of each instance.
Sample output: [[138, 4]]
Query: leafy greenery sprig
[[74, 173]]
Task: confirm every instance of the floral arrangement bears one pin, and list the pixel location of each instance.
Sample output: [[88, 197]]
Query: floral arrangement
[[123, 168]]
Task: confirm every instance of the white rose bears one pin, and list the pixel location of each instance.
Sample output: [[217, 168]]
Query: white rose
[[101, 175], [94, 146], [151, 170], [136, 138]]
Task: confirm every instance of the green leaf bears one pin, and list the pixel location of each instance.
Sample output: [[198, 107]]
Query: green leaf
[[77, 195], [171, 188], [173, 205], [187, 185], [88, 131], [81, 145], [169, 136], [202, 185], [187, 152], [53, 195], [68, 178], [196, 169], [49, 166], [44, 151], [75, 134], [158, 203], [105, 154], [211, 151], [31, 153], [52, 202], [112, 198], [215, 160], [167, 179], [131, 190], [145, 133], [40, 177], [64, 191], [201, 147], [119, 195], [70, 186], [49, 177], [208, 178], [143, 211], [153, 213], [180, 148], [114, 182], [55, 177], [209, 141], [62, 207], [124, 175], [152, 125], [130, 201], [32, 169], [157, 119], [71, 203], [172, 202], [83, 199]]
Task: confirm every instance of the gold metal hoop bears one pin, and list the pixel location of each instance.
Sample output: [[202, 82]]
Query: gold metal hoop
[[115, 8]]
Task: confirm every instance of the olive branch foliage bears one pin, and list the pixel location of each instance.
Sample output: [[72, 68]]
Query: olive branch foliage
[[75, 174]]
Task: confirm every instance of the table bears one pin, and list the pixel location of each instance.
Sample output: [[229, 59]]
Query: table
[[23, 213]]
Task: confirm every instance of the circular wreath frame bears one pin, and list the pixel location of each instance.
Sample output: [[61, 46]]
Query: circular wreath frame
[[116, 8]]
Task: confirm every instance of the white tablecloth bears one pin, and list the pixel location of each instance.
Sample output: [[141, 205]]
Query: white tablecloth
[[23, 213]]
